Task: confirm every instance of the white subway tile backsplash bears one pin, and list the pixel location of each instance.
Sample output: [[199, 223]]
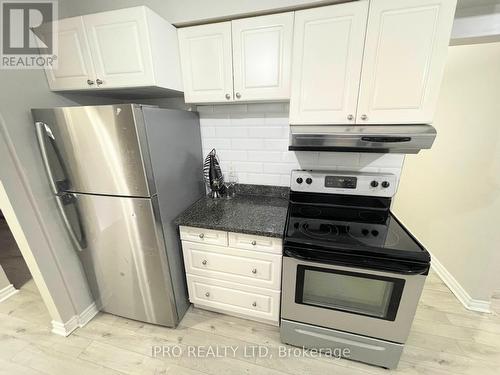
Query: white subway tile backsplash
[[274, 119], [268, 156], [247, 120], [207, 132], [247, 166], [253, 138], [217, 143], [263, 179], [232, 155], [231, 132], [276, 144], [268, 132], [247, 144], [282, 168]]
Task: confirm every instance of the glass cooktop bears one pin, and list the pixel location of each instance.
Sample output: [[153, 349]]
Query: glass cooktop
[[361, 227]]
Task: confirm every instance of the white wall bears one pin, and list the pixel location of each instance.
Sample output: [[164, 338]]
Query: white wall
[[253, 138], [450, 196]]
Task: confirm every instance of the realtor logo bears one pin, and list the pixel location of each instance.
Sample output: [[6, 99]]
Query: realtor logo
[[28, 34]]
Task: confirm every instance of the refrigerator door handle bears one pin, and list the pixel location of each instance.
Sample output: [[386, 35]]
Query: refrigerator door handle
[[63, 201], [43, 132]]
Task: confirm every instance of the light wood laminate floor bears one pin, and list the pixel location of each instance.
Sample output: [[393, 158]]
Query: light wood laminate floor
[[445, 339]]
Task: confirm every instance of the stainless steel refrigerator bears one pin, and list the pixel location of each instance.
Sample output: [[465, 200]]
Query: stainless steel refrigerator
[[120, 175]]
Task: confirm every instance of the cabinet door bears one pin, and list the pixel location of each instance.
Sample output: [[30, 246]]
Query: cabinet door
[[206, 62], [262, 53], [405, 53], [326, 65], [74, 65], [120, 47]]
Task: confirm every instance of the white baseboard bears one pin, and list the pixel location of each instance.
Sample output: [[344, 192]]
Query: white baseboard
[[87, 314], [65, 329], [77, 321], [8, 291], [457, 289]]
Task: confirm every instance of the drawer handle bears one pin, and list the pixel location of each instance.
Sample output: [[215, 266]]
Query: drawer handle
[[207, 294], [254, 271], [204, 262], [254, 242], [201, 235], [254, 304]]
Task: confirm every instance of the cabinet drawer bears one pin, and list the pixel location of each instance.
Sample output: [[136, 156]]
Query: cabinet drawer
[[260, 243], [225, 263], [250, 302], [208, 236]]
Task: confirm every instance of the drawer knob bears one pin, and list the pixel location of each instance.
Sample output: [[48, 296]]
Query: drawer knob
[[254, 304], [204, 262], [207, 294], [254, 242], [254, 270], [201, 235]]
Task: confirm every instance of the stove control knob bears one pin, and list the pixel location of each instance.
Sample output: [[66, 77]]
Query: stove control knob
[[299, 180], [385, 184], [309, 181], [374, 183]]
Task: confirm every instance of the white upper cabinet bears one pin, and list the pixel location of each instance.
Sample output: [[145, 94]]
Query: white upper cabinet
[[404, 59], [118, 42], [132, 47], [327, 57], [242, 60], [207, 68], [75, 69], [262, 52]]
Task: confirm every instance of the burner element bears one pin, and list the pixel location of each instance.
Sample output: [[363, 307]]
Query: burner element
[[319, 230]]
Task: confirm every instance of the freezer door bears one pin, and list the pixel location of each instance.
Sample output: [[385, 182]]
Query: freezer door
[[121, 247], [94, 149]]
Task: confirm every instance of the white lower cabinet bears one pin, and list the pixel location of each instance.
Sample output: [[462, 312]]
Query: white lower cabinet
[[235, 299], [241, 278]]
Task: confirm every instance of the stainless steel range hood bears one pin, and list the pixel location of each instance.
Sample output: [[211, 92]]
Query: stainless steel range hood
[[400, 139]]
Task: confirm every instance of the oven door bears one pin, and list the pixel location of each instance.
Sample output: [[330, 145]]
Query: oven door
[[372, 303]]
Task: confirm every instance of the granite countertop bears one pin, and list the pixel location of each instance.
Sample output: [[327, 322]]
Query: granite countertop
[[260, 211]]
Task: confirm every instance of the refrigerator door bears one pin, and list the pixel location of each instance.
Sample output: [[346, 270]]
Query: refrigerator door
[[94, 150], [120, 243]]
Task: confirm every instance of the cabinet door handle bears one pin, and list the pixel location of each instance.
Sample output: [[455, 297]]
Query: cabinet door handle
[[99, 81], [254, 304], [228, 96], [207, 294], [90, 82], [254, 242], [204, 262], [350, 117], [254, 271], [364, 117], [238, 95], [201, 235]]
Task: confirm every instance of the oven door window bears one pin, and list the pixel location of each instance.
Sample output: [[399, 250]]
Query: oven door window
[[357, 293]]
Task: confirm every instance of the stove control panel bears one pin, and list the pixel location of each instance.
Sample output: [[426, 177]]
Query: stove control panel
[[344, 182]]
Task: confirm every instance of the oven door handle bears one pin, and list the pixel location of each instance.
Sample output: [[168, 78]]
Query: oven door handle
[[352, 263]]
